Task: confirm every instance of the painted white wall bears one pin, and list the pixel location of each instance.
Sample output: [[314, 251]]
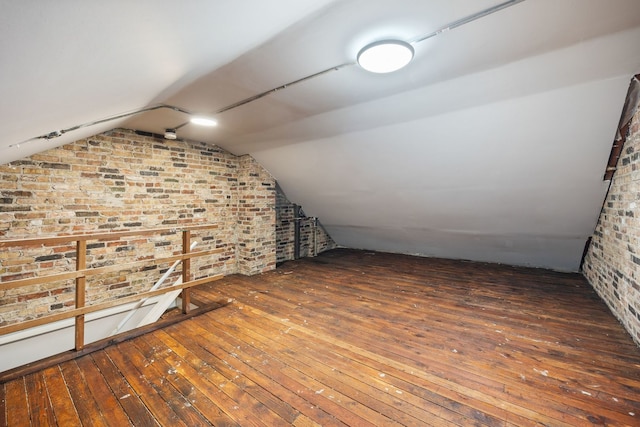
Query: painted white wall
[[30, 345], [517, 181]]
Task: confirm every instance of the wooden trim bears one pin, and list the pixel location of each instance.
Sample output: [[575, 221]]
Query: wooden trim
[[614, 155], [186, 271], [37, 241], [97, 307], [81, 284], [101, 270], [101, 344], [81, 273], [618, 145], [40, 280]]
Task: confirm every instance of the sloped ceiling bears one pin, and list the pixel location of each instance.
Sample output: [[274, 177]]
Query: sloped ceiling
[[491, 145]]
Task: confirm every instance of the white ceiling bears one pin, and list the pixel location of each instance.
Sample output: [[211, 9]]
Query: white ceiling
[[491, 145]]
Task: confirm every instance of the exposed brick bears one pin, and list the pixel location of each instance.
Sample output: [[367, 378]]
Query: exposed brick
[[109, 170], [49, 257], [32, 296], [15, 208], [611, 264], [87, 214], [121, 180], [17, 193], [63, 166]]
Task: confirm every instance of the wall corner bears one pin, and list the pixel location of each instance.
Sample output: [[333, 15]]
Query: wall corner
[[256, 218]]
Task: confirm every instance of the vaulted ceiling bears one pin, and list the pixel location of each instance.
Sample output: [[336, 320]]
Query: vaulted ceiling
[[491, 145]]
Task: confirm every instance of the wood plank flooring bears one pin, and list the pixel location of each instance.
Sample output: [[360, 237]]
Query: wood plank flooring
[[355, 338]]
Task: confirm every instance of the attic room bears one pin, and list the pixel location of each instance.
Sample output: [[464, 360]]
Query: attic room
[[221, 213]]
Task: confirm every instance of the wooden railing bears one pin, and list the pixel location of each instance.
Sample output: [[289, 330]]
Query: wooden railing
[[82, 272]]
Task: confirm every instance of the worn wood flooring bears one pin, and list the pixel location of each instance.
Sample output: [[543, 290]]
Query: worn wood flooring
[[359, 339]]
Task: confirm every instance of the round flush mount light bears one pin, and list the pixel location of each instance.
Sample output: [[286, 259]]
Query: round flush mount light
[[203, 121], [170, 134], [385, 56]]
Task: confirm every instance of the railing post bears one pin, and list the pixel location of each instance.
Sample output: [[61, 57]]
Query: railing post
[[186, 271], [80, 274], [81, 282]]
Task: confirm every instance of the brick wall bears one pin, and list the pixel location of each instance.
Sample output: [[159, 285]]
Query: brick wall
[[313, 238], [124, 181], [612, 263], [256, 218], [285, 223]]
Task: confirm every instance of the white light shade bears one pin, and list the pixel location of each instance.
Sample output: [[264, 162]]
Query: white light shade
[[385, 56], [203, 121]]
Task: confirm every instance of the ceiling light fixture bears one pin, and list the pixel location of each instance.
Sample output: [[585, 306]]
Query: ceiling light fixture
[[404, 49], [385, 56], [203, 121], [170, 134]]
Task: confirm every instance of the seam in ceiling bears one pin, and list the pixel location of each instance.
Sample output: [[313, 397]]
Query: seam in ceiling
[[455, 24]]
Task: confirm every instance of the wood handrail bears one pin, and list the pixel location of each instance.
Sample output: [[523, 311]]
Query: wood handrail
[[42, 364], [101, 270], [102, 306], [81, 291], [82, 272], [186, 271], [37, 241]]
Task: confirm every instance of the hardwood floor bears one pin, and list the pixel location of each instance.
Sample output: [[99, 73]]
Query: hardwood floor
[[360, 339]]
